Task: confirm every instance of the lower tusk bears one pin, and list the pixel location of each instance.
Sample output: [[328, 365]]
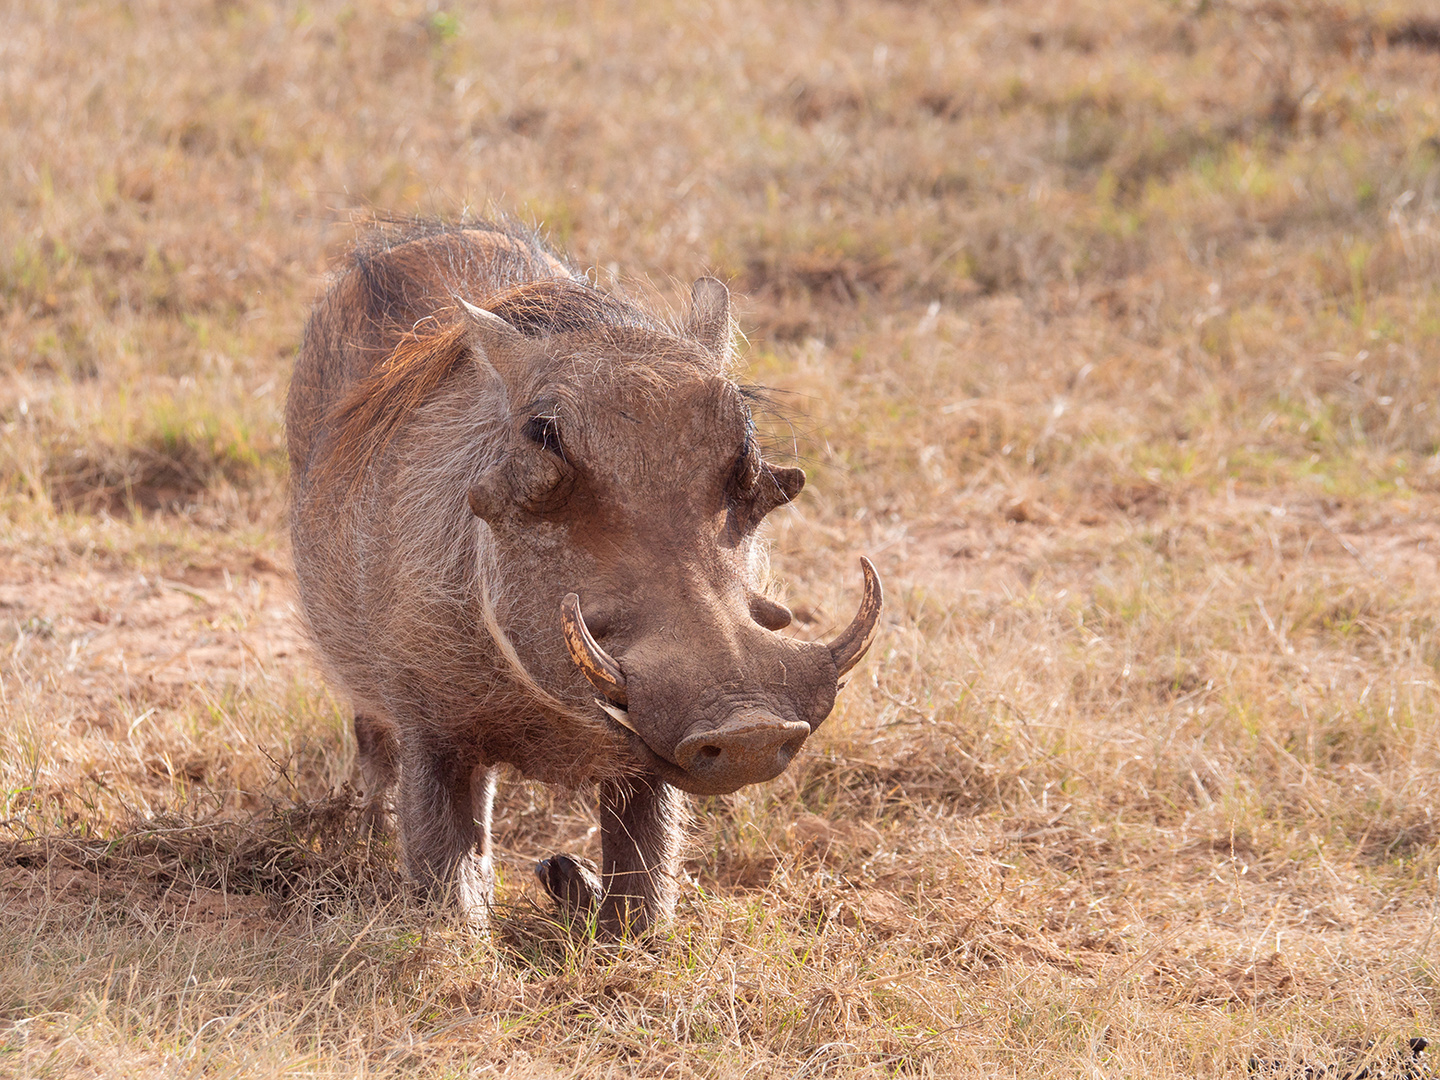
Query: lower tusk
[[619, 715]]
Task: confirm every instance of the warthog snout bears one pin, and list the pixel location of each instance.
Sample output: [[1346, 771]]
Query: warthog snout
[[750, 748], [734, 703]]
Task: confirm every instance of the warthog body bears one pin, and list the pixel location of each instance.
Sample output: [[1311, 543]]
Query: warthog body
[[483, 444]]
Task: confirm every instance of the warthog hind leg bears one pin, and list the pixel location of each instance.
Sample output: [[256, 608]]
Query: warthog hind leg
[[640, 828], [377, 758]]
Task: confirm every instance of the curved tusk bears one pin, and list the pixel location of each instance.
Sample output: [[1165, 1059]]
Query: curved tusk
[[619, 715], [602, 671], [849, 647]]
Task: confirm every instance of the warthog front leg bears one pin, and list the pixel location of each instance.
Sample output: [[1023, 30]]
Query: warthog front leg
[[444, 808], [640, 829]]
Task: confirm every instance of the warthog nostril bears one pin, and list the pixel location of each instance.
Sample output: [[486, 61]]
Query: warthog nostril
[[747, 750]]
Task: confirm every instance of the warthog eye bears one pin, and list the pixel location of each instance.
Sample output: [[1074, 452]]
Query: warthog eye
[[544, 431]]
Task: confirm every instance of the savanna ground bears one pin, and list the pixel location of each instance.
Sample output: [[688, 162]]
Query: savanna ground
[[1109, 329]]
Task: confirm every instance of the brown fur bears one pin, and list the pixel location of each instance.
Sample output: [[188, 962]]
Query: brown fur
[[427, 355], [607, 454], [367, 417]]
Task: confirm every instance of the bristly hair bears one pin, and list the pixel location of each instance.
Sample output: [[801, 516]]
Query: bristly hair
[[771, 417], [561, 306], [502, 268], [367, 418]]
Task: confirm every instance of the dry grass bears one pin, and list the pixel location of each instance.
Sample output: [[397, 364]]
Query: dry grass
[[1110, 330]]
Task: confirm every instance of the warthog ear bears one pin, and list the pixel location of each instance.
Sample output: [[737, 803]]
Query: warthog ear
[[492, 332], [709, 318]]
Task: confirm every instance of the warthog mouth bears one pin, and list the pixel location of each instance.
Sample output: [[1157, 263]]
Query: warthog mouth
[[619, 716], [750, 749]]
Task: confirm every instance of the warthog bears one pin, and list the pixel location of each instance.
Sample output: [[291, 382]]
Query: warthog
[[483, 445]]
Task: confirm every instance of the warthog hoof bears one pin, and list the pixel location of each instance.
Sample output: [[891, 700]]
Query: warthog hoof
[[574, 884]]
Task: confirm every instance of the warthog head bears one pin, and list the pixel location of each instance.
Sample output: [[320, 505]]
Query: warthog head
[[623, 512]]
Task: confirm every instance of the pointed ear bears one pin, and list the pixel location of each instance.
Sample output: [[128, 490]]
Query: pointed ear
[[493, 332], [495, 346], [709, 318]]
